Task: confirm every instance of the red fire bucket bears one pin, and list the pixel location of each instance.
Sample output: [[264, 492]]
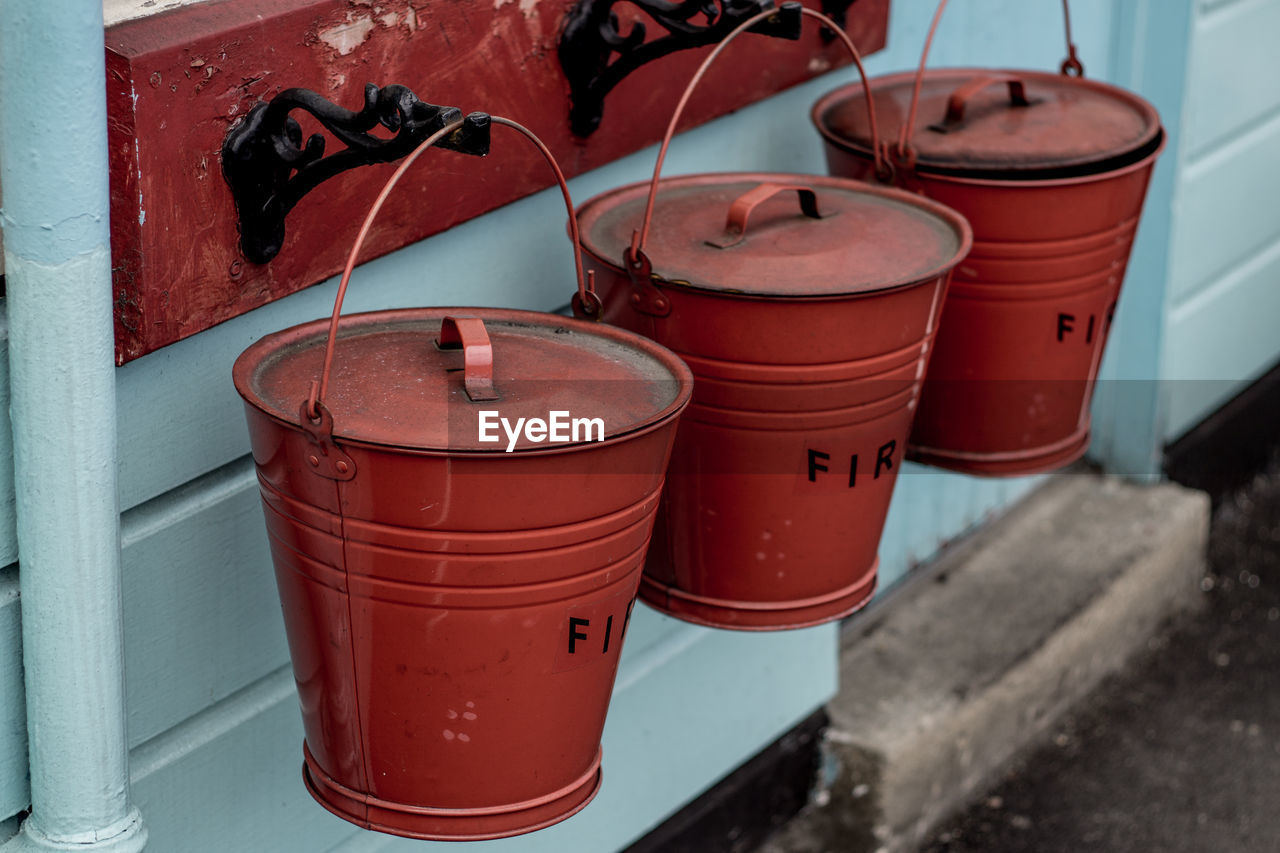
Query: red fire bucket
[[1051, 170], [454, 604], [808, 328]]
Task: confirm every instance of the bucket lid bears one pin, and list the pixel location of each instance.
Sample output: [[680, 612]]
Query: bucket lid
[[393, 384], [862, 239], [989, 123]]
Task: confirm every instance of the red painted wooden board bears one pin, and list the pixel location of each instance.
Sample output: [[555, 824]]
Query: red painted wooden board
[[178, 80]]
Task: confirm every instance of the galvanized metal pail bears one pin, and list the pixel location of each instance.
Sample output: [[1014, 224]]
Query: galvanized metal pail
[[1051, 170], [455, 606], [808, 328]]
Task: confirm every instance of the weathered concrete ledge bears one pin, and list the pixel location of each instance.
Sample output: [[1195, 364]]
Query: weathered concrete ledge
[[973, 662]]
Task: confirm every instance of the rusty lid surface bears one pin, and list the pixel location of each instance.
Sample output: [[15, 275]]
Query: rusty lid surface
[[393, 385], [864, 239], [991, 123]]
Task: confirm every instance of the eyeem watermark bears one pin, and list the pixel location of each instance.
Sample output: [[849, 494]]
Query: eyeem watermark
[[558, 427]]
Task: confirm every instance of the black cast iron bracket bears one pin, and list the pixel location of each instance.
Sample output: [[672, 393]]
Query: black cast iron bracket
[[838, 11], [269, 169], [592, 35]]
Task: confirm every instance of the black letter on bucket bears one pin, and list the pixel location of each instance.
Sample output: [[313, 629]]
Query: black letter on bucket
[[884, 459], [626, 623], [815, 466], [574, 636], [1065, 324]]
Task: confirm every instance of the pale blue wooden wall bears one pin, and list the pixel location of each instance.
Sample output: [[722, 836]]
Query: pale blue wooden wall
[[213, 721], [1197, 320], [1224, 285]]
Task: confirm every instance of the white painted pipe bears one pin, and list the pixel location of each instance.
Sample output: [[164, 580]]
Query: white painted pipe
[[53, 165]]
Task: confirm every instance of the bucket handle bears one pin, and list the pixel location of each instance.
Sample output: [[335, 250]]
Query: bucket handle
[[735, 227], [959, 100], [905, 153], [585, 301], [469, 335], [638, 265]]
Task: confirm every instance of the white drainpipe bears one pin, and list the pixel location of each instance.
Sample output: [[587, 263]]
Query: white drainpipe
[[53, 165]]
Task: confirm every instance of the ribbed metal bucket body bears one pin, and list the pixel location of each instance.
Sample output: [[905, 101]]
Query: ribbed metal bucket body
[[1027, 315], [455, 623], [455, 614], [1051, 171], [786, 459]]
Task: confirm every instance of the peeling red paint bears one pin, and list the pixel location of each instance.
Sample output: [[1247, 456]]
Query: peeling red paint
[[219, 59]]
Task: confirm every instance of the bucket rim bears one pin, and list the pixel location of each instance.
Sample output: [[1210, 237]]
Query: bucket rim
[[963, 231], [1093, 172], [253, 356]]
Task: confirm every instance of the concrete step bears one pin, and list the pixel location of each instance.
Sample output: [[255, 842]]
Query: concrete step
[[973, 661]]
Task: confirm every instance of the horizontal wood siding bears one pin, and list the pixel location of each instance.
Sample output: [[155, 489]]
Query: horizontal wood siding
[[202, 618], [1223, 339], [1224, 289], [1233, 71], [1226, 210]]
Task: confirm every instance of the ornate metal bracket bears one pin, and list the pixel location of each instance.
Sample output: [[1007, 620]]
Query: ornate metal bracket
[[270, 170], [838, 11], [592, 34]]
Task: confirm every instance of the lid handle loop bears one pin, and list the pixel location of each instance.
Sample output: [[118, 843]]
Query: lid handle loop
[[959, 100], [635, 258], [904, 153], [735, 227], [586, 302], [470, 335]]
